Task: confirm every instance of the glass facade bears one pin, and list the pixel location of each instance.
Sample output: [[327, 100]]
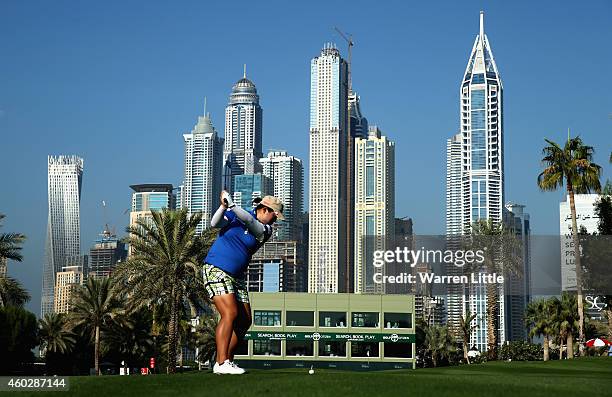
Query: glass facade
[[479, 198], [398, 320], [271, 274], [398, 349], [365, 349], [332, 349], [266, 347], [249, 187], [332, 319], [267, 318], [365, 319], [300, 319], [299, 348], [478, 115]]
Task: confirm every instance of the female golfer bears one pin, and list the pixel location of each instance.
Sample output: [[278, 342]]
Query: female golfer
[[242, 233]]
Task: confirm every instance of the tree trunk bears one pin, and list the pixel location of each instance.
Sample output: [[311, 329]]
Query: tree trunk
[[465, 351], [97, 350], [492, 321], [172, 334], [570, 346], [546, 352], [434, 361], [577, 261], [561, 348]]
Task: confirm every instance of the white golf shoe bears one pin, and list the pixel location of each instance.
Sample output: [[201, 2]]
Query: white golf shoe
[[227, 368], [236, 367]]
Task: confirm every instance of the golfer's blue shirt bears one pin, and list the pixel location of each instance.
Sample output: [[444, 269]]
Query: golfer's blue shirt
[[232, 250]]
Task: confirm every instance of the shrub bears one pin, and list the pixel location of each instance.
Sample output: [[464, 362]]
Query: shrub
[[521, 351]]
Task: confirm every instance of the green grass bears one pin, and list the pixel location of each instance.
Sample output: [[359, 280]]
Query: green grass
[[578, 377]]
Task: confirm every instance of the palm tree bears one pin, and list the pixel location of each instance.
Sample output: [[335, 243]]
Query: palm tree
[[572, 165], [466, 328], [10, 244], [501, 251], [164, 268], [94, 307], [55, 337], [539, 320], [567, 321], [438, 343], [130, 336], [12, 292]]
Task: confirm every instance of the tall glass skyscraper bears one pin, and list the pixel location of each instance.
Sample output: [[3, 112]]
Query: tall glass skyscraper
[[251, 186], [480, 186], [201, 186], [65, 177], [328, 232], [287, 175], [374, 204], [243, 132]]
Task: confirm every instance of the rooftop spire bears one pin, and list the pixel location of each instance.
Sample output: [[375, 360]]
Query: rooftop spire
[[244, 74], [481, 25], [204, 106]]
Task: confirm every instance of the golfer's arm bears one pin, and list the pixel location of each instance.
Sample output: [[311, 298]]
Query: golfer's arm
[[217, 219], [254, 226]]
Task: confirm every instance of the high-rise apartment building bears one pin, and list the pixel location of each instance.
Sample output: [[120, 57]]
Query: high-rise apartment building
[[374, 205], [67, 281], [148, 197], [201, 186], [287, 175], [243, 132], [475, 174], [518, 285], [277, 267], [107, 251], [359, 124], [249, 187], [329, 265], [63, 238]]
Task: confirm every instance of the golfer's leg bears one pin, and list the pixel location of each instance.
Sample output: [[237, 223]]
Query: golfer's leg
[[228, 309], [241, 326]]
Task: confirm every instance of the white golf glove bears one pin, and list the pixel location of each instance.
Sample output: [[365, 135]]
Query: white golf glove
[[228, 199]]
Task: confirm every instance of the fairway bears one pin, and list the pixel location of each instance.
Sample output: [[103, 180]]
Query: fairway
[[579, 377]]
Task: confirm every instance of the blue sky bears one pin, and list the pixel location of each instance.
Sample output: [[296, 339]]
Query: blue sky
[[118, 83]]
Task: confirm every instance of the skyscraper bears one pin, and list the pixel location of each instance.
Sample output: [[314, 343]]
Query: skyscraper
[[328, 262], [359, 124], [518, 287], [374, 204], [107, 251], [63, 239], [201, 186], [243, 132], [481, 170], [149, 197], [287, 175], [67, 280], [453, 186], [277, 267], [250, 186]]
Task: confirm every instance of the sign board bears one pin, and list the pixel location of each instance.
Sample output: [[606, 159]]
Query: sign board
[[331, 336]]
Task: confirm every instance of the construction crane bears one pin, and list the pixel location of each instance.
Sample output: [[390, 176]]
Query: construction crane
[[349, 41]]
